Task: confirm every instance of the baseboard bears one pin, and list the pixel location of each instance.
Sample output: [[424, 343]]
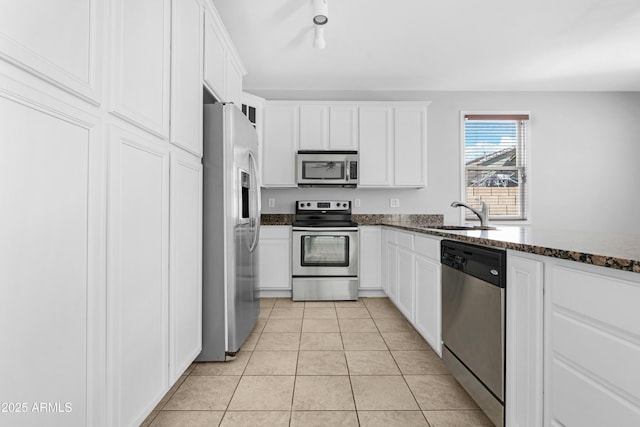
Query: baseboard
[[279, 293]]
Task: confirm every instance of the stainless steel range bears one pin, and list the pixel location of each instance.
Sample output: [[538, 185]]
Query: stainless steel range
[[324, 251]]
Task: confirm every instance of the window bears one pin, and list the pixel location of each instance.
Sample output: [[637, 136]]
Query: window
[[496, 164]]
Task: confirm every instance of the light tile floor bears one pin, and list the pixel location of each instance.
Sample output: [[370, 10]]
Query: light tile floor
[[310, 364]]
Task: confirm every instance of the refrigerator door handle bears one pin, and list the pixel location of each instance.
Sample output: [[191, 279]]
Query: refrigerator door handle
[[258, 201]]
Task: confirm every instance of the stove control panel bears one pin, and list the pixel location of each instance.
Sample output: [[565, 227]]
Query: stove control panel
[[323, 205]]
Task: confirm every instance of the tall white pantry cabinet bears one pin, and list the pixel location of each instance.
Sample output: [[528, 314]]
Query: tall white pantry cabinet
[[100, 203]]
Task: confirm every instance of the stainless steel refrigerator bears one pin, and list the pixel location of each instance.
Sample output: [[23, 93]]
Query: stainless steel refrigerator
[[231, 227]]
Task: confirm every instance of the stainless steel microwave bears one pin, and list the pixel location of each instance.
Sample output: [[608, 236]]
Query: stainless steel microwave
[[327, 168]]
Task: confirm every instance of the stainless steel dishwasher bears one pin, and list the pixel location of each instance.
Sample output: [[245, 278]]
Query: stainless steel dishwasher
[[473, 329]]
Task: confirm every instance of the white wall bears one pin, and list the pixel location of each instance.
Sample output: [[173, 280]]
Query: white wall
[[585, 154]]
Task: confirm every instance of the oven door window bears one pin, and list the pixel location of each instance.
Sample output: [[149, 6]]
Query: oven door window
[[323, 170], [325, 251]]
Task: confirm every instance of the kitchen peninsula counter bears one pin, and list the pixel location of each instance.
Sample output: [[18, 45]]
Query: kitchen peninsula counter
[[617, 251]]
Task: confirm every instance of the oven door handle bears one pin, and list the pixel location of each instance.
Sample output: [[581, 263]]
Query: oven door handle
[[323, 229]]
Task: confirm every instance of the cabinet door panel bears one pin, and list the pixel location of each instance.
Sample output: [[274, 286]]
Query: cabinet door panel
[[137, 311], [185, 281], [376, 146], [406, 283], [410, 146], [428, 303], [314, 127], [343, 127], [581, 338], [392, 272], [214, 58], [370, 257], [68, 53], [48, 288], [186, 70], [141, 62], [234, 82], [275, 263], [281, 133], [524, 345]]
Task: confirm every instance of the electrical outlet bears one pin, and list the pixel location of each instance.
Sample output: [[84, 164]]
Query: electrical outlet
[[394, 203], [356, 203], [272, 203]]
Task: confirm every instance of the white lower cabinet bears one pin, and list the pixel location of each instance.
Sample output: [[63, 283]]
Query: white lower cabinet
[[137, 276], [406, 282], [524, 348], [370, 271], [274, 259], [391, 270], [592, 346], [427, 292], [185, 247], [413, 280]]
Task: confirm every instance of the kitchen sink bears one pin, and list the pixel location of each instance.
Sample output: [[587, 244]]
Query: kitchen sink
[[462, 227]]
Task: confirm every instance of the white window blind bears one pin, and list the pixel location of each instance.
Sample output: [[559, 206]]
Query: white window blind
[[496, 164]]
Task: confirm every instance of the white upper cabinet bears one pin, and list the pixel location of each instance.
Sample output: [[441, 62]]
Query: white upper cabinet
[[214, 57], [410, 146], [186, 75], [376, 146], [140, 57], [343, 127], [390, 137], [281, 136], [223, 69], [56, 41], [314, 127], [328, 126], [234, 82], [393, 145]]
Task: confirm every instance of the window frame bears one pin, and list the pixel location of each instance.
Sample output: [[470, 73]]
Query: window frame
[[527, 168]]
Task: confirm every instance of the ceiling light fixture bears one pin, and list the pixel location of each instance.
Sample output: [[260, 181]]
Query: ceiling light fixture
[[320, 18], [318, 39], [320, 12]]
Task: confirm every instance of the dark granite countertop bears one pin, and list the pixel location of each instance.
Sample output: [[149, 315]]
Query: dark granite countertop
[[276, 219], [618, 251]]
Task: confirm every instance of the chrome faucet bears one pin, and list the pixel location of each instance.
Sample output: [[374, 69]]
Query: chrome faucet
[[483, 214]]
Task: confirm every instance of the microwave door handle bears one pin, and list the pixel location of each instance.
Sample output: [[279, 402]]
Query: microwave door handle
[[348, 171]]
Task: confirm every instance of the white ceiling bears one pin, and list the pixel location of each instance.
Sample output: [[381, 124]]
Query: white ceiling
[[539, 45]]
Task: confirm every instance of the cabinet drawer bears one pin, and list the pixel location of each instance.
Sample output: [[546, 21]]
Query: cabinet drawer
[[604, 300], [405, 240], [428, 247], [275, 232], [390, 236]]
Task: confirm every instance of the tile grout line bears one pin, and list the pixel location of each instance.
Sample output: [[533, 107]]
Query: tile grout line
[[401, 373], [344, 353]]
